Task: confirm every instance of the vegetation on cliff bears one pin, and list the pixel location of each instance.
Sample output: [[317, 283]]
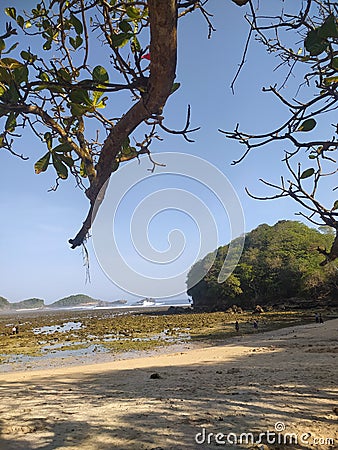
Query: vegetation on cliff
[[279, 264]]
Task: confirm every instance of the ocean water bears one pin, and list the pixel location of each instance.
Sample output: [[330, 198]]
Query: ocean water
[[130, 305]]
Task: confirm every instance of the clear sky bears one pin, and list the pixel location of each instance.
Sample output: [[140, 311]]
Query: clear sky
[[35, 225]]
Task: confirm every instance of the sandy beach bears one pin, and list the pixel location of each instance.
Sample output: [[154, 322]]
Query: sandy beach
[[271, 390]]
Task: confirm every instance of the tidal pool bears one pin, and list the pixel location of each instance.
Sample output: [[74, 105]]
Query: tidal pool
[[67, 326]]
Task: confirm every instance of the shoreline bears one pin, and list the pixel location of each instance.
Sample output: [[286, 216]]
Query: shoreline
[[125, 360], [52, 341], [251, 384]]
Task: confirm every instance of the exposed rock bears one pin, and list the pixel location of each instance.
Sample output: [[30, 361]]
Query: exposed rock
[[155, 376]]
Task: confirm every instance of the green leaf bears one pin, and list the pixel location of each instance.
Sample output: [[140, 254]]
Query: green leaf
[[11, 12], [329, 29], [96, 97], [313, 156], [121, 39], [11, 95], [100, 74], [42, 164], [80, 96], [314, 44], [11, 122], [335, 206], [133, 12], [125, 26], [25, 55], [20, 74], [48, 139], [2, 89], [20, 21], [127, 152], [83, 172], [175, 87], [10, 63], [76, 43], [68, 160], [307, 125], [47, 45], [126, 144], [335, 63], [44, 76], [2, 45], [307, 173], [64, 148], [101, 104], [330, 80], [5, 76], [135, 45], [115, 166], [77, 24], [78, 110], [64, 75], [59, 166]]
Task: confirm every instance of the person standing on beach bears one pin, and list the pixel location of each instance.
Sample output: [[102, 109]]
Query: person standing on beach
[[321, 319], [237, 326]]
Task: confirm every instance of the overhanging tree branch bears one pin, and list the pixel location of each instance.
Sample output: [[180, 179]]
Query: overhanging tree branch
[[163, 34]]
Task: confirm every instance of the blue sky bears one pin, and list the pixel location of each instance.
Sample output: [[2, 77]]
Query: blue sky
[[36, 260]]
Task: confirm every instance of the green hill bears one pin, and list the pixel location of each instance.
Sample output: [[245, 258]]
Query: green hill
[[66, 302], [28, 304], [279, 265], [74, 300], [4, 303]]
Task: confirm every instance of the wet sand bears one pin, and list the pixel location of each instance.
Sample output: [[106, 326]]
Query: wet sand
[[265, 385]]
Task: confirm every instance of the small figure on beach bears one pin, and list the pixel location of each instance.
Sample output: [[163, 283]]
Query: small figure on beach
[[317, 318], [255, 324], [15, 329], [321, 319], [237, 326]]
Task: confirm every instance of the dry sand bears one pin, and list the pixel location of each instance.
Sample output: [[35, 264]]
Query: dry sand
[[286, 377]]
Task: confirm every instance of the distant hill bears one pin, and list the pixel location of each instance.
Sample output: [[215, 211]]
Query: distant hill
[[74, 300], [28, 304], [77, 300], [83, 300], [24, 304], [4, 303]]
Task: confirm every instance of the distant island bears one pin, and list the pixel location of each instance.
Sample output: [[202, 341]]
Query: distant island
[[78, 300]]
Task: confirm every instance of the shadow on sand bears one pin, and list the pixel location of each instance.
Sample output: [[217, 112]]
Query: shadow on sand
[[127, 409]]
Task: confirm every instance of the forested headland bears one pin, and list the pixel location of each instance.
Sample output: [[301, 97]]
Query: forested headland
[[279, 266]]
